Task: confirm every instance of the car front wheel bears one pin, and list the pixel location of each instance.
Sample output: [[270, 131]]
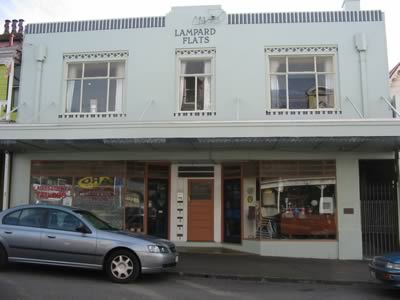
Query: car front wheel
[[123, 266]]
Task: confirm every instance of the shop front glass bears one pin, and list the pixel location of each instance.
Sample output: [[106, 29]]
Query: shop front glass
[[296, 200]]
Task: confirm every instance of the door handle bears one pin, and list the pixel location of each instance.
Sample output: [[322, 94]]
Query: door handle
[[51, 236], [8, 232]]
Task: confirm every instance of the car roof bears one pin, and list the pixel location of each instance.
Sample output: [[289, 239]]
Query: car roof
[[42, 205]]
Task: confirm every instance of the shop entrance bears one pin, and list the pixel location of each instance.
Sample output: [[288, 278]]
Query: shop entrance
[[379, 207], [201, 210], [232, 219], [158, 207]]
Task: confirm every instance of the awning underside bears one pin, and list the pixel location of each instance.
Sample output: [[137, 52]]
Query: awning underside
[[295, 144]]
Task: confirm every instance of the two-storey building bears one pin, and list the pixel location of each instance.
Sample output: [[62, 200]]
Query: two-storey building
[[271, 133]]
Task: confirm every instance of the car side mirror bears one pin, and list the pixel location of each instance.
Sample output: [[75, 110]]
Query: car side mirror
[[83, 229]]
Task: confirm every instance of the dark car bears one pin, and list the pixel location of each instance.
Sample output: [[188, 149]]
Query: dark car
[[386, 269], [73, 237]]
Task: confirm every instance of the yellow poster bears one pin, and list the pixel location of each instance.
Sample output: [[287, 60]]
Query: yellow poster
[[3, 82]]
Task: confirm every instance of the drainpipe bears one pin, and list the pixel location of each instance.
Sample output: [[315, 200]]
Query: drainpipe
[[40, 56], [9, 91], [360, 41], [6, 183]]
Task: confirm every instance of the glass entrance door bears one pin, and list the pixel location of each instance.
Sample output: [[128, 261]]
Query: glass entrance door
[[232, 217], [158, 207]]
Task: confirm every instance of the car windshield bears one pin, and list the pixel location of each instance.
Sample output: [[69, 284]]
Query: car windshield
[[94, 221]]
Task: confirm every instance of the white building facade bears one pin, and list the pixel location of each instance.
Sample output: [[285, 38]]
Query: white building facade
[[255, 132]]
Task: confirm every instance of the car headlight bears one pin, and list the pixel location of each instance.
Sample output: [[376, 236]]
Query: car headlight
[[157, 249], [393, 266]]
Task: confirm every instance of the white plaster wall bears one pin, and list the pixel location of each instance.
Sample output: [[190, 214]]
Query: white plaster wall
[[217, 203], [20, 180], [348, 196], [302, 249]]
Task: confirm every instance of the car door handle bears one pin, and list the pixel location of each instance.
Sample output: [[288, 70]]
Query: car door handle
[[51, 236], [8, 232]]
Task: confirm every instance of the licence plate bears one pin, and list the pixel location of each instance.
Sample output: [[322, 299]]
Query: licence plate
[[176, 259], [373, 275]]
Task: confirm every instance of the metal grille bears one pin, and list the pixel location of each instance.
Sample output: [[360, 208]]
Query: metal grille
[[379, 213]]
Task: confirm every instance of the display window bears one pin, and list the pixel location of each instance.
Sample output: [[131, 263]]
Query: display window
[[295, 200]]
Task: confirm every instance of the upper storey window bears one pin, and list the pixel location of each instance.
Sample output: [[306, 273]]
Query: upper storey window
[[196, 76], [302, 82], [94, 86]]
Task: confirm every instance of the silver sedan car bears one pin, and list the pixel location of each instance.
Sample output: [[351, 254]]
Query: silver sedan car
[[65, 236]]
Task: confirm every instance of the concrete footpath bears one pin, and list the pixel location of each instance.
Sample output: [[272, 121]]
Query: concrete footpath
[[244, 266]]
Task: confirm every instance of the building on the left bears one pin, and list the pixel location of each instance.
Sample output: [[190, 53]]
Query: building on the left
[[10, 66]]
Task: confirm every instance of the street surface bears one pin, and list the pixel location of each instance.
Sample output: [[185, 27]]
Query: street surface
[[38, 282]]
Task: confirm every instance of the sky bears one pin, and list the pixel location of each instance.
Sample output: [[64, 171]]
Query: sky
[[38, 11]]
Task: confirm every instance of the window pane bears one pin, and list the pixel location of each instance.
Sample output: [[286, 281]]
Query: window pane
[[326, 91], [117, 69], [94, 96], [12, 219], [277, 64], [96, 69], [60, 220], [200, 93], [278, 91], [325, 64], [101, 195], [201, 191], [298, 200], [74, 71], [32, 217], [300, 90], [134, 205], [194, 67], [188, 85], [301, 64], [112, 94], [73, 95]]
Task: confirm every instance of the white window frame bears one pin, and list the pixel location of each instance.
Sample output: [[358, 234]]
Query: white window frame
[[319, 51], [95, 57], [183, 55]]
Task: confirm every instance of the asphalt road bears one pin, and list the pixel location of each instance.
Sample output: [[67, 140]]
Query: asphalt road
[[38, 282]]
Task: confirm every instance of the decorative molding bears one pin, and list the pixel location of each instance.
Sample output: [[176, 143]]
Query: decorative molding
[[306, 17], [91, 115], [95, 25], [301, 49], [193, 52], [196, 114], [95, 55], [302, 112]]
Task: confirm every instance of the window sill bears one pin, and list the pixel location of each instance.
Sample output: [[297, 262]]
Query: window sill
[[91, 115], [302, 112], [195, 114]]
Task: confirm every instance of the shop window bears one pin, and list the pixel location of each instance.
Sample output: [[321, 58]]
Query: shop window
[[101, 195], [302, 82], [51, 190], [297, 200], [196, 80], [94, 87]]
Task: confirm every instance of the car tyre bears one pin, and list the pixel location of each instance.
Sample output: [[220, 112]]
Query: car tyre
[[3, 257], [122, 266]]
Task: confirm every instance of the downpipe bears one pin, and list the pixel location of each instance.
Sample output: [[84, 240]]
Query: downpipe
[[7, 180]]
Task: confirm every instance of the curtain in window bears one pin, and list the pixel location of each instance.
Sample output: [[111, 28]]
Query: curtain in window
[[71, 102], [207, 86], [182, 83], [274, 82]]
